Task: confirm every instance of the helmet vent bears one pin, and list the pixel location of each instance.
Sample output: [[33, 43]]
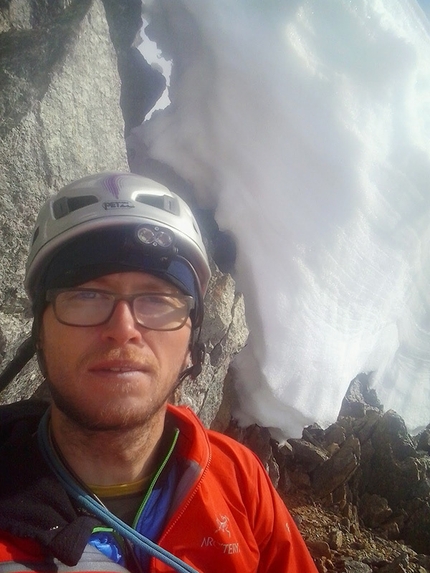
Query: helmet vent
[[164, 202], [66, 205]]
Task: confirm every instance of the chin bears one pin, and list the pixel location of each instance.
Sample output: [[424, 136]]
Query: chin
[[118, 414]]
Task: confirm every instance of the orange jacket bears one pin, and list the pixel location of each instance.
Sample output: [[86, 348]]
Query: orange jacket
[[226, 515]]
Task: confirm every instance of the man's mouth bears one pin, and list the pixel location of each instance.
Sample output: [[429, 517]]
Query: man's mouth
[[118, 368], [121, 369]]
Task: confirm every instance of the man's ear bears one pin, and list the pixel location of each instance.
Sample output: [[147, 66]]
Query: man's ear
[[39, 338], [188, 361]]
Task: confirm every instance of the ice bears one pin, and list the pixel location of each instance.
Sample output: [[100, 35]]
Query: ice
[[307, 124]]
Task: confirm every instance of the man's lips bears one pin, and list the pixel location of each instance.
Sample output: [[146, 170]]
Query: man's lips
[[118, 366]]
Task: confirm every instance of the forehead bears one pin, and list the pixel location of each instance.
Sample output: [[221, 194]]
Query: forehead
[[128, 282]]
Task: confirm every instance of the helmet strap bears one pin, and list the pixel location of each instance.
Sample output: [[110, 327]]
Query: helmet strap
[[197, 354], [35, 334], [23, 355]]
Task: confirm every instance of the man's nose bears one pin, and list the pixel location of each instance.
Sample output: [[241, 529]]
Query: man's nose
[[122, 326]]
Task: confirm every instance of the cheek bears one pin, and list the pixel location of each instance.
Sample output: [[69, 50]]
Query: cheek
[[175, 350], [52, 353], [48, 326], [57, 345]]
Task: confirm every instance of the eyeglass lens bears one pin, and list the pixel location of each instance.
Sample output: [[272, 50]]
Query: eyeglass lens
[[90, 308]]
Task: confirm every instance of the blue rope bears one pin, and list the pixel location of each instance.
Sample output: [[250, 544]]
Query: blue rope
[[86, 501]]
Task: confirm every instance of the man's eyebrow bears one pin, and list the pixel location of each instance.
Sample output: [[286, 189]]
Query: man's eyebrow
[[158, 287]]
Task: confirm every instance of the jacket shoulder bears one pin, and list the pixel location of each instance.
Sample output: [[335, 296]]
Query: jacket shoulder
[[26, 410]]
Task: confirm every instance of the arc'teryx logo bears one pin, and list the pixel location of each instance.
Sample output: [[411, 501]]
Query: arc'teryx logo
[[222, 522], [224, 529]]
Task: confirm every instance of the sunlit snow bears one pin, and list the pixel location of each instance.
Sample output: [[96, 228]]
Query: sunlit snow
[[307, 123]]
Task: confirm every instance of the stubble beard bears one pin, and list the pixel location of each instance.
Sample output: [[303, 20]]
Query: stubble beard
[[112, 416]]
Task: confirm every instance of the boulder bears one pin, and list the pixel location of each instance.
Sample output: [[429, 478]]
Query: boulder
[[338, 469], [360, 398], [307, 455], [224, 333], [416, 531], [374, 510], [423, 440]]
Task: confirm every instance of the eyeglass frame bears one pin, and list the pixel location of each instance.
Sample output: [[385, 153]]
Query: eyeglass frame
[[52, 294]]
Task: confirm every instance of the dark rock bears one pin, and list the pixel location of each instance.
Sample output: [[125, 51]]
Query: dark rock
[[141, 85], [417, 529], [341, 496], [399, 565], [360, 398], [334, 434], [423, 561], [423, 441], [307, 455], [335, 539], [319, 549], [286, 449], [300, 479], [374, 510], [391, 528], [338, 469], [365, 427], [352, 566], [314, 434], [351, 513], [395, 471], [391, 432], [285, 483], [259, 440]]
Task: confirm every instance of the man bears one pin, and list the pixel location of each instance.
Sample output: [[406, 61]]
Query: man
[[110, 477]]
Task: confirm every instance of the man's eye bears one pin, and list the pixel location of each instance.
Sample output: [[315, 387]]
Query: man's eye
[[84, 295], [156, 303], [155, 300]]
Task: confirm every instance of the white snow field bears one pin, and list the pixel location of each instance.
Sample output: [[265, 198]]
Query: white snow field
[[307, 124]]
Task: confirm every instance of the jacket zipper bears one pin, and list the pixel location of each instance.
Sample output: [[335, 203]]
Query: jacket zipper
[[155, 479], [181, 510]]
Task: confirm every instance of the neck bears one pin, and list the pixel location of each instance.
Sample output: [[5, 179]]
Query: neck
[[108, 457]]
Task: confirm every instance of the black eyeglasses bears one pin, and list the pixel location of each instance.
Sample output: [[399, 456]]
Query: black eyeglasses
[[91, 307]]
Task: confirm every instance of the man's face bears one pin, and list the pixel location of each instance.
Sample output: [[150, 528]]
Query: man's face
[[118, 374]]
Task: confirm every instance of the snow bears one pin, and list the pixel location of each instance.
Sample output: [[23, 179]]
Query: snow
[[306, 124]]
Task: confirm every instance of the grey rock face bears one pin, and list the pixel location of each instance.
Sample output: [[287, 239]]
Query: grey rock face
[[224, 333]]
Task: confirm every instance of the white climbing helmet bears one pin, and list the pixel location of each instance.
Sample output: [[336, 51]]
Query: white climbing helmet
[[157, 222]]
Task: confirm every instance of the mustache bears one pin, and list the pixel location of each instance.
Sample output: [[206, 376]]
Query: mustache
[[121, 354]]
